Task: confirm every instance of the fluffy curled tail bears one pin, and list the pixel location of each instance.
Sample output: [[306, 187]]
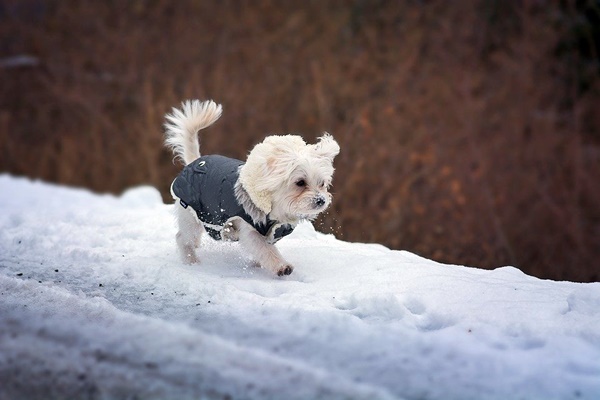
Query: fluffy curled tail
[[183, 124]]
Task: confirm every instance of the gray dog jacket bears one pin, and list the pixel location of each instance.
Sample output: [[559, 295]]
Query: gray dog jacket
[[207, 185]]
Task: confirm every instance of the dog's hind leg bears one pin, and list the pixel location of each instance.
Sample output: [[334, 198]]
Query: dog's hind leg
[[188, 235]]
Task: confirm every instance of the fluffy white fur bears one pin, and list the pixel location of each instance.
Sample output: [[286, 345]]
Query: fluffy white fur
[[283, 178], [182, 127]]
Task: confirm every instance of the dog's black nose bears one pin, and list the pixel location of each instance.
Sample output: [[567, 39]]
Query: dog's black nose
[[319, 201]]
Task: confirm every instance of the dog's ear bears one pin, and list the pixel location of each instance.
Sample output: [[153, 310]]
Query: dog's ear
[[280, 156], [327, 147]]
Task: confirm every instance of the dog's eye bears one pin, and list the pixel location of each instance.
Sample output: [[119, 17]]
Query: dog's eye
[[301, 183]]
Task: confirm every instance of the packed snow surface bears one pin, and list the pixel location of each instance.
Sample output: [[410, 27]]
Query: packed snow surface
[[95, 303]]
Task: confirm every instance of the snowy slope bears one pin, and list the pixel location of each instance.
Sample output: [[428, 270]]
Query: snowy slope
[[94, 303]]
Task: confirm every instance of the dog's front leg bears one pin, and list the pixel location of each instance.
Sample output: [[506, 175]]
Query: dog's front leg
[[256, 244]]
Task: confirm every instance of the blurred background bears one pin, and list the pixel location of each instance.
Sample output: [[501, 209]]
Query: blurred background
[[470, 130]]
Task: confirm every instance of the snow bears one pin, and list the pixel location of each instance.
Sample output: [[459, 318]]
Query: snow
[[94, 303]]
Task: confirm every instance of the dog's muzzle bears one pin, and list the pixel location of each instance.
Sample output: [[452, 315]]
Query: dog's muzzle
[[319, 201]]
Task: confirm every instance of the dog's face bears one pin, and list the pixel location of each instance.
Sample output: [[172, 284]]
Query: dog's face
[[301, 190], [289, 179]]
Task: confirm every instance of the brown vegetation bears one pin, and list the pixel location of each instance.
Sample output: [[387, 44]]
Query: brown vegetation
[[469, 130]]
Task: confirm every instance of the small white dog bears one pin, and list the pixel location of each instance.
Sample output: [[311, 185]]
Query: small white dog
[[284, 180]]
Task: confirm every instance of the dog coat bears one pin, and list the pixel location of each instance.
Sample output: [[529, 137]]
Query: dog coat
[[207, 185]]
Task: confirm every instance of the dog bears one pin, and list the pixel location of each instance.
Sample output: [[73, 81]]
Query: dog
[[257, 202]]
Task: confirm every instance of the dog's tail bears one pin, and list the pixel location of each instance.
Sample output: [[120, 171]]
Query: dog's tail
[[183, 124]]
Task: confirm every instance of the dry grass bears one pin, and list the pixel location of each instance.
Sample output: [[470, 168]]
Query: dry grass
[[469, 131]]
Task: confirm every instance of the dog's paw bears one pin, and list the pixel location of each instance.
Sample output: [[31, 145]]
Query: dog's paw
[[231, 229], [188, 255], [190, 258], [285, 270]]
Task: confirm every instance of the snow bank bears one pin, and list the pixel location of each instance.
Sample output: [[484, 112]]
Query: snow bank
[[94, 303]]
